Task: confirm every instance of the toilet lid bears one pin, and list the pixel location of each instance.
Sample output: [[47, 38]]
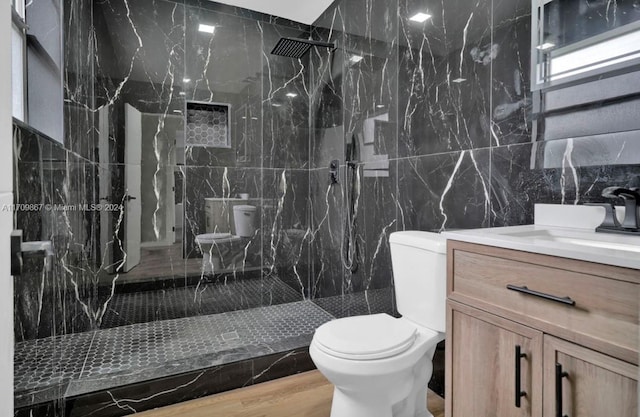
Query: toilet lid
[[376, 336], [212, 237]]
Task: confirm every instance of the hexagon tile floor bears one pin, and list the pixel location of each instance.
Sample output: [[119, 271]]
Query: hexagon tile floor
[[66, 366]]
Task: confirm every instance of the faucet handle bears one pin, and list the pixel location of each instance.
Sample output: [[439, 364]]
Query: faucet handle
[[621, 192], [631, 197], [610, 218]]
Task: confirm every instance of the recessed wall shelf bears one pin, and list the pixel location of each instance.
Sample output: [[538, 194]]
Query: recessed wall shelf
[[208, 125]]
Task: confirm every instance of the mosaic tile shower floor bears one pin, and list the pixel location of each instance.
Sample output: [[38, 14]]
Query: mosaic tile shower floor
[[75, 364]]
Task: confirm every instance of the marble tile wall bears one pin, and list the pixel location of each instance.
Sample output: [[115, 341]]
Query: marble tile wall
[[455, 142]]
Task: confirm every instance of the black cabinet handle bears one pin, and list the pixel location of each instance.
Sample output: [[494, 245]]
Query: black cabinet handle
[[519, 392], [559, 375], [525, 290]]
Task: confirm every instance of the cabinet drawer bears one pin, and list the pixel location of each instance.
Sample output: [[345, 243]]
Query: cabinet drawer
[[604, 316]]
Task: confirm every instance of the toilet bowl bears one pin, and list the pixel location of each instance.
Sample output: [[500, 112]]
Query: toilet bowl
[[381, 365], [213, 246]]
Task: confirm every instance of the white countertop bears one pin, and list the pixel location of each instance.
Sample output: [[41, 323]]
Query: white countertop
[[580, 242]]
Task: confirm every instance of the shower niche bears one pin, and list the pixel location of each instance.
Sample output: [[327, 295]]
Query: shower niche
[[208, 125]]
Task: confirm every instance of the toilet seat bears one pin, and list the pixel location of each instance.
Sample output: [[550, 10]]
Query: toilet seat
[[377, 336], [211, 237]]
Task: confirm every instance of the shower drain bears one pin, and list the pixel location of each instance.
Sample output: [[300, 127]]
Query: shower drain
[[230, 336]]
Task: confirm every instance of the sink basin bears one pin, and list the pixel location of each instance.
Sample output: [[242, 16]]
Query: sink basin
[[590, 239], [566, 231]]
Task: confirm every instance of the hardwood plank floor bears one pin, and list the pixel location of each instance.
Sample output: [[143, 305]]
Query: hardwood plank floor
[[304, 395], [162, 262]]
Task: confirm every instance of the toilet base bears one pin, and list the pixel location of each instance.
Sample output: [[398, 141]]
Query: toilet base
[[348, 406], [345, 405], [376, 401], [210, 263]]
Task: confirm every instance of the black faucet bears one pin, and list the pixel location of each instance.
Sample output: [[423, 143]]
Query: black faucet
[[631, 222]]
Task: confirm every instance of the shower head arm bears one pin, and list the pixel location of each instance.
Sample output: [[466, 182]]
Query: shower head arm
[[319, 44]]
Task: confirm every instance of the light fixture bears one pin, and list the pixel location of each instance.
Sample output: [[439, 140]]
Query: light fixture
[[292, 95], [380, 106], [459, 80], [182, 93], [276, 105], [254, 118], [206, 28], [186, 80], [355, 59], [420, 17], [545, 46]]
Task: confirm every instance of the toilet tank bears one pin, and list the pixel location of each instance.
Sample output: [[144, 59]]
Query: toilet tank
[[245, 218], [219, 214], [419, 262]]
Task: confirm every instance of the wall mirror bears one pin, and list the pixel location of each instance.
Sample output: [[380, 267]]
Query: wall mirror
[[577, 39]]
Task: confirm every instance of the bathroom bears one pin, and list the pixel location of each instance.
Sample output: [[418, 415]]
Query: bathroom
[[202, 203]]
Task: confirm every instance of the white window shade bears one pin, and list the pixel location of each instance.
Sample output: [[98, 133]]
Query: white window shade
[[17, 72], [609, 52]]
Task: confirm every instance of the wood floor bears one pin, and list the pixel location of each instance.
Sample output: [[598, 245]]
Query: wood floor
[[304, 395], [162, 262]]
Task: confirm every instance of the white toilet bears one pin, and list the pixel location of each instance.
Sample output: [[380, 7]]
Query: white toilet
[[380, 366], [216, 246]]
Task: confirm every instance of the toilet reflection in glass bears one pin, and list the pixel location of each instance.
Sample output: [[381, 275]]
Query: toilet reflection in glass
[[230, 226]]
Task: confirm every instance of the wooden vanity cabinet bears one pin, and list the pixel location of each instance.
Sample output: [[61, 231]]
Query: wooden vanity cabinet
[[562, 333]]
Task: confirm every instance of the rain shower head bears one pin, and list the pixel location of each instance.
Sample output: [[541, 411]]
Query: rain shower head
[[297, 48]]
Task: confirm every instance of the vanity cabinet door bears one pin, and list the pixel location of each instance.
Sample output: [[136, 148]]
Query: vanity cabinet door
[[579, 382], [483, 371]]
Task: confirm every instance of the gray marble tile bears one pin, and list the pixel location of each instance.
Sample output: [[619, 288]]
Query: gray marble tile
[[445, 191]]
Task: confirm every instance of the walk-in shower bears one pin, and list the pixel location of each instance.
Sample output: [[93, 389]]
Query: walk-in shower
[[186, 130]]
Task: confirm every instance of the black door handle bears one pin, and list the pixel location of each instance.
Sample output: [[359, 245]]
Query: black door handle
[[526, 290], [519, 392], [129, 198], [559, 375]]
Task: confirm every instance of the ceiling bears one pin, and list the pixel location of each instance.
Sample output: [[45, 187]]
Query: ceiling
[[304, 12]]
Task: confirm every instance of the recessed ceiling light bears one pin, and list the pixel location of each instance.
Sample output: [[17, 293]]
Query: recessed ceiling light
[[380, 106], [254, 118], [182, 93], [186, 80], [292, 95], [276, 105], [420, 17], [206, 28], [356, 58], [545, 46], [459, 80]]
